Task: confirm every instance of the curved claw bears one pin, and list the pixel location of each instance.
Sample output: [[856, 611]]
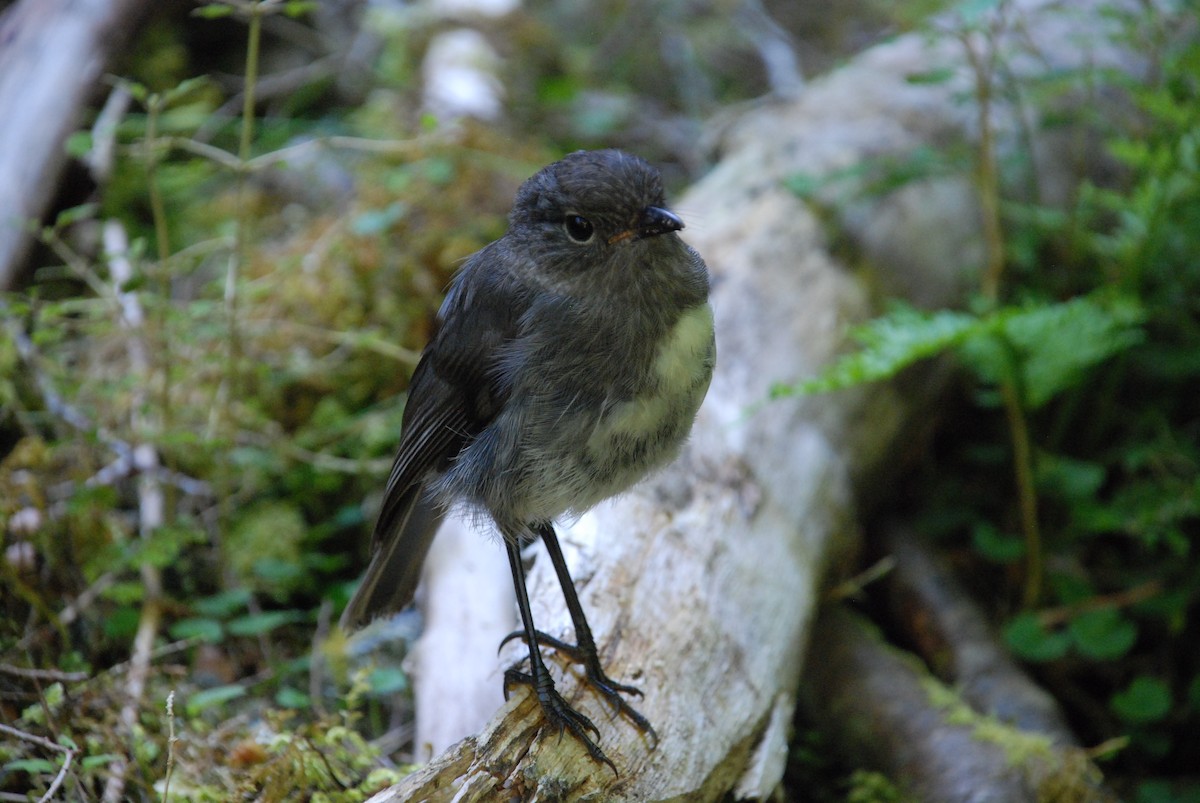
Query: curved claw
[[560, 715], [594, 676]]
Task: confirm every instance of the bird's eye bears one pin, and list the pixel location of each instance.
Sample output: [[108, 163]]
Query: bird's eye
[[578, 228]]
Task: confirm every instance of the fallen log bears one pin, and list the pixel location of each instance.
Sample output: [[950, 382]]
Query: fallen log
[[882, 708], [52, 54], [933, 612]]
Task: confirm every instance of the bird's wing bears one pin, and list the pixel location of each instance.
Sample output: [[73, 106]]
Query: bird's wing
[[456, 391]]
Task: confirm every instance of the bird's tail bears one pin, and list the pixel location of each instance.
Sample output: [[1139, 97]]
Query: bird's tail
[[396, 559]]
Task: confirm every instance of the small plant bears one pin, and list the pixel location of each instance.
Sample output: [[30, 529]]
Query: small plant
[[1082, 348]]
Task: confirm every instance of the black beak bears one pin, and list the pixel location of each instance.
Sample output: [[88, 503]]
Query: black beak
[[656, 220]]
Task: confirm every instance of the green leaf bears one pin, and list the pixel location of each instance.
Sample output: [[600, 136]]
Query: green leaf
[[213, 11], [74, 214], [938, 75], [185, 88], [995, 545], [209, 630], [209, 698], [275, 571], [1144, 701], [387, 681], [125, 592], [224, 603], [805, 185], [972, 12], [1104, 635], [79, 144], [99, 760], [1160, 790], [258, 623], [890, 343], [1030, 640], [31, 765], [287, 697], [1068, 478], [298, 8], [378, 221], [1193, 694], [122, 623], [1055, 344]]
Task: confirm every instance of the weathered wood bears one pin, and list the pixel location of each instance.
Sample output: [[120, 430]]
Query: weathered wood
[[52, 54], [948, 630], [882, 709]]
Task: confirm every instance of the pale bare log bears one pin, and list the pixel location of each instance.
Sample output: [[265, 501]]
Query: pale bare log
[[52, 54], [881, 708], [949, 631]]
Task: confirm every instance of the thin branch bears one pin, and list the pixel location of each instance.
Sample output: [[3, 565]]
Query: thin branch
[[126, 462], [170, 745], [316, 665], [150, 497], [53, 675], [41, 741], [386, 147], [84, 600], [1053, 617], [58, 779], [99, 160]]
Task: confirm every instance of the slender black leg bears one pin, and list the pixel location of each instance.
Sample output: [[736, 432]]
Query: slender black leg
[[556, 710], [584, 651]]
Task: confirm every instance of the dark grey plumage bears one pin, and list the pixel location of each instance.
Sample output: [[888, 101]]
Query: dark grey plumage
[[570, 359]]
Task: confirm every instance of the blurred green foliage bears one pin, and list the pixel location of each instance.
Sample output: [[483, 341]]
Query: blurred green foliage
[[1097, 334]]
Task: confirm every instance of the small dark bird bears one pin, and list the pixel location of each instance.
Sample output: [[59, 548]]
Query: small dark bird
[[570, 358]]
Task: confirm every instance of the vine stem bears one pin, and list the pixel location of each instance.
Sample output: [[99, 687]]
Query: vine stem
[[983, 61], [1026, 492]]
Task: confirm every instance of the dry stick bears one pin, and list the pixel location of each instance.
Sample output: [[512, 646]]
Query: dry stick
[[150, 499], [68, 754], [316, 667], [170, 746], [43, 674], [102, 156], [1054, 617]]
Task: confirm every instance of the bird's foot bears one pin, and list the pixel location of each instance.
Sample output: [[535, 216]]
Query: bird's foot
[[595, 676], [559, 714]]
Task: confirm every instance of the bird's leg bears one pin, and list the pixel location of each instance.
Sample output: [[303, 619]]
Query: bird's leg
[[583, 651], [556, 710]]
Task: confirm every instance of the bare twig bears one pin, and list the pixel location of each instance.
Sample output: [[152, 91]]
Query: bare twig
[[316, 664], [161, 652], [170, 745], [1053, 617], [853, 587], [52, 675], [126, 462], [41, 741], [68, 754], [387, 147], [150, 498], [99, 159]]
